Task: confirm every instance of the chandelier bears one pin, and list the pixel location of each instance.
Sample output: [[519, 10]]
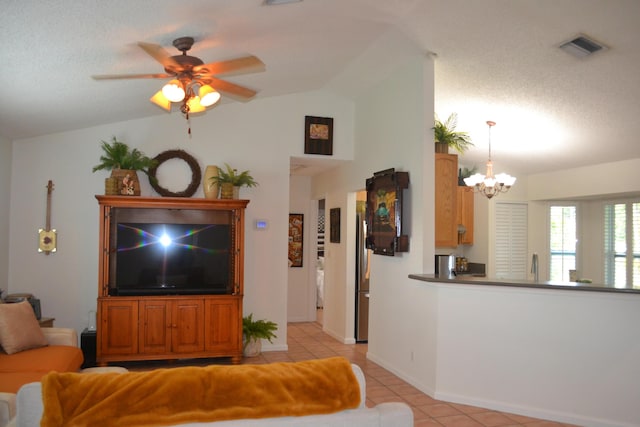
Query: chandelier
[[490, 185]]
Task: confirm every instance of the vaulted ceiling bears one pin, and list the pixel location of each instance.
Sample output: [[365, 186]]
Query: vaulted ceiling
[[494, 60]]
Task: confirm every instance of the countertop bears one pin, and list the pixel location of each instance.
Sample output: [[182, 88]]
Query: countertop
[[473, 280]]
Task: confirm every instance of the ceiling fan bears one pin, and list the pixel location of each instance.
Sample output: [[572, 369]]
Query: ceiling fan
[[193, 83]]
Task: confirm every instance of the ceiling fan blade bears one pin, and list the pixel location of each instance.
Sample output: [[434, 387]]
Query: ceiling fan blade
[[158, 53], [232, 90], [247, 64], [131, 76]]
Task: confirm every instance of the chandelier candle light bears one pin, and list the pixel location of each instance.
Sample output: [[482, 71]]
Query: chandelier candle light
[[490, 185]]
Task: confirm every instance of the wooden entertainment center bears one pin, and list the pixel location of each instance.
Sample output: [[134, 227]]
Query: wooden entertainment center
[[166, 326]]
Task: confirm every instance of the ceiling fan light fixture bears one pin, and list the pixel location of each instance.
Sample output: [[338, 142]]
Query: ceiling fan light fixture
[[161, 101], [208, 96], [173, 91], [194, 104]]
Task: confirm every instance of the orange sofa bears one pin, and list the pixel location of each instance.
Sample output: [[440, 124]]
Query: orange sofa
[[61, 355]]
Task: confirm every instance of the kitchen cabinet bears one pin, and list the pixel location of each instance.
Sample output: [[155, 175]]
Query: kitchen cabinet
[[465, 203], [446, 188]]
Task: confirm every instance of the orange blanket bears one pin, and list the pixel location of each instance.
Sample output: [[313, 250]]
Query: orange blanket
[[199, 394]]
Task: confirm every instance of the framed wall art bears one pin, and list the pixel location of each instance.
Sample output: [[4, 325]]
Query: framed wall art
[[296, 222], [334, 225], [318, 135], [384, 212]]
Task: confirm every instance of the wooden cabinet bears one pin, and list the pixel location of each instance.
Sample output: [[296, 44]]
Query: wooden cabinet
[[446, 213], [171, 326], [117, 328], [222, 331], [465, 214], [453, 204], [163, 326]]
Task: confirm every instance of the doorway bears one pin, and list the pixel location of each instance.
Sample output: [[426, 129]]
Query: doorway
[[320, 262], [362, 269]]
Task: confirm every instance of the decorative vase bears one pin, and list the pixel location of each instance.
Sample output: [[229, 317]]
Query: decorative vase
[[127, 182], [228, 190], [111, 186], [209, 186], [252, 347], [442, 147]]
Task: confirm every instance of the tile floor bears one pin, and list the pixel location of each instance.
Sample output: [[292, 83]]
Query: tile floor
[[308, 341]]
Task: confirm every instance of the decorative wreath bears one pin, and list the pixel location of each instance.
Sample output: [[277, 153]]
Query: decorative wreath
[[196, 173]]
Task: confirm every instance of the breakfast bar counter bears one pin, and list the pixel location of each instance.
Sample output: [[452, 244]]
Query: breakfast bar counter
[[560, 351], [474, 280]]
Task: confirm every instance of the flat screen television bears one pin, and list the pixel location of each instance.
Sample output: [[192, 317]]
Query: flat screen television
[[170, 253]]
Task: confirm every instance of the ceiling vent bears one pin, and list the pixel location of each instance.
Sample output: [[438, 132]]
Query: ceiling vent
[[582, 46], [274, 2]]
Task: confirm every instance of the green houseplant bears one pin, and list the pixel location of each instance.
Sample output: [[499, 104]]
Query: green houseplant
[[123, 162], [445, 135], [255, 330], [230, 181]]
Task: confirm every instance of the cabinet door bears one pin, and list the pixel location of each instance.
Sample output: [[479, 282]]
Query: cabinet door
[[187, 326], [465, 214], [118, 327], [155, 323], [446, 179], [223, 325]]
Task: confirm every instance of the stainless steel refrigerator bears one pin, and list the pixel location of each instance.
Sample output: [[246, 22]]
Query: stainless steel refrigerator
[[363, 258]]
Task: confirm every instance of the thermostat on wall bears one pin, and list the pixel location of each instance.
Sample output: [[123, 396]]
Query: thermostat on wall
[[261, 224]]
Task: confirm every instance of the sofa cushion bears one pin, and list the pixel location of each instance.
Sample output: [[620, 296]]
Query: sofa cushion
[[19, 328], [59, 358], [10, 382]]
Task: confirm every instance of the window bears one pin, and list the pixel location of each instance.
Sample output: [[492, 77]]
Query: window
[[562, 242], [622, 244]]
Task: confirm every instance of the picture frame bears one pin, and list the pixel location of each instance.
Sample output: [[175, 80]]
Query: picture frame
[[334, 225], [318, 135], [384, 212], [296, 239]]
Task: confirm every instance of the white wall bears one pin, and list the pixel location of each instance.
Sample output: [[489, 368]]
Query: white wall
[[259, 136], [393, 121], [591, 181], [569, 356], [5, 191]]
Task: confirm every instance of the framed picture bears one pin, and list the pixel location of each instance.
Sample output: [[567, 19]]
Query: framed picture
[[384, 212], [334, 225], [296, 222], [318, 135]]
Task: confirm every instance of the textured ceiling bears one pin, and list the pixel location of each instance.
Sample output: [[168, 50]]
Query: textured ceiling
[[495, 60]]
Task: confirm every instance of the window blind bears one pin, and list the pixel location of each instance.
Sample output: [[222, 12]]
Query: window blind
[[511, 240]]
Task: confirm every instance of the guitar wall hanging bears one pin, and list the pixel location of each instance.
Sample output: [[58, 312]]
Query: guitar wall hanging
[[47, 236]]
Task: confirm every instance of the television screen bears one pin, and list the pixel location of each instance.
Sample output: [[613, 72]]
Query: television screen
[[167, 258]]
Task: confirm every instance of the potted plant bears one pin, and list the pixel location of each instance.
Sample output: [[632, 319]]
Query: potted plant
[[253, 331], [123, 163], [230, 181], [446, 136]]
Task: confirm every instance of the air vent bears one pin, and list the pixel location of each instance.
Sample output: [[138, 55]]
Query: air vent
[[274, 2], [582, 46]]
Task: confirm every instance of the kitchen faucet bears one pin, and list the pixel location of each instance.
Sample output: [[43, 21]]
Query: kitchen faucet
[[534, 267]]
